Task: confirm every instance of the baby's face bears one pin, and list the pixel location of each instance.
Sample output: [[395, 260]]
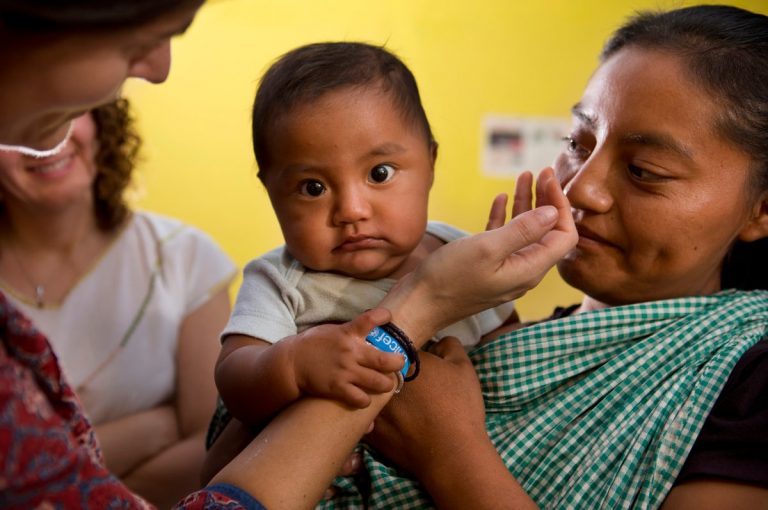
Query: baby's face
[[349, 180]]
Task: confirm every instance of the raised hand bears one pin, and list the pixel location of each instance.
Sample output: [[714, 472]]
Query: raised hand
[[484, 270]]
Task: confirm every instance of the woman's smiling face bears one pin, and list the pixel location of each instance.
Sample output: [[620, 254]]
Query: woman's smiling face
[[49, 80], [657, 194], [55, 182]]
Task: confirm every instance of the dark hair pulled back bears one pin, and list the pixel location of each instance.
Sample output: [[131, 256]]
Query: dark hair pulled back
[[39, 16]]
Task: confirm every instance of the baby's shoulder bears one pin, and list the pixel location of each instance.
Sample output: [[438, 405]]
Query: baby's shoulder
[[444, 232], [277, 263]]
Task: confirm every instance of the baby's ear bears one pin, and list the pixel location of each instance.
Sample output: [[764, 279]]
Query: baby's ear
[[433, 153], [757, 227]]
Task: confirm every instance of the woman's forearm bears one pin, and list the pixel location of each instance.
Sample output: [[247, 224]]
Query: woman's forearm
[[131, 440], [295, 458], [472, 475]]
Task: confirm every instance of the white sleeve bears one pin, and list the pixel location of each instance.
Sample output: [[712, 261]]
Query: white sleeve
[[266, 305], [201, 267]]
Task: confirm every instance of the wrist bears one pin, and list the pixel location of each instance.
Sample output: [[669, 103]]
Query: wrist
[[290, 361], [411, 305], [390, 338]]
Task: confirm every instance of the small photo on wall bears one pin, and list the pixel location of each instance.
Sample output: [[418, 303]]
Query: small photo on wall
[[513, 144]]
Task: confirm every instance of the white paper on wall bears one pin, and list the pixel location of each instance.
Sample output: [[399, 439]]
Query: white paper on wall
[[513, 144]]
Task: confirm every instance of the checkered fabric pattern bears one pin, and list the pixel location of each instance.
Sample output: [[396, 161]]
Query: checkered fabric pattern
[[599, 409]]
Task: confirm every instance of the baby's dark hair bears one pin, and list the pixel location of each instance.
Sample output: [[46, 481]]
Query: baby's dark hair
[[725, 51], [306, 73]]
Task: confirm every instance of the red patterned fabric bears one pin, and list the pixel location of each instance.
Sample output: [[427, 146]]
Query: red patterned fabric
[[49, 456]]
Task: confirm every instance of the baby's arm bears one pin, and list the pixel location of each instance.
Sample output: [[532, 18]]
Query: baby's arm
[[496, 219], [257, 379]]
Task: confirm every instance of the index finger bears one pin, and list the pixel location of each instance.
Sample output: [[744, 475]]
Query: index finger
[[555, 243], [549, 192]]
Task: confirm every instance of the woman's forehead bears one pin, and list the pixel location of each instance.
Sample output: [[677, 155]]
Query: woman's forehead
[[649, 95]]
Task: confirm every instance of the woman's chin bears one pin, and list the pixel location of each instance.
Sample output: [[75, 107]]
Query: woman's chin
[[574, 273], [593, 282]]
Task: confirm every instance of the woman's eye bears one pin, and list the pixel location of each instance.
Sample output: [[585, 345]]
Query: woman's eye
[[312, 188], [575, 148], [641, 174], [381, 173]]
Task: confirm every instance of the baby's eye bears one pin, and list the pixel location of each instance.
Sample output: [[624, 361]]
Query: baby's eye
[[381, 173], [312, 188]]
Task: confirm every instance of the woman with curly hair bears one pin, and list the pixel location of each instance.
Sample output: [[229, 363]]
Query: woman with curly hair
[[132, 302]]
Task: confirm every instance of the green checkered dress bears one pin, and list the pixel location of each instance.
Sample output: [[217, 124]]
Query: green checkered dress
[[599, 409]]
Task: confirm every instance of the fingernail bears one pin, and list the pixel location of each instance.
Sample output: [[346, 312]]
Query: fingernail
[[546, 214]]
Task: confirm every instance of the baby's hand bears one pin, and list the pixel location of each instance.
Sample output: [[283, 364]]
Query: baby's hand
[[523, 202], [335, 361]]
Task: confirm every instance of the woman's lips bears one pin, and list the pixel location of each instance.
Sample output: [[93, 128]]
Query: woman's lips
[[50, 166], [590, 236]]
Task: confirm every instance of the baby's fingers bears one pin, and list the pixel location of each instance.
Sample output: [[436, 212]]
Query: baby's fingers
[[498, 215], [354, 396], [523, 194], [372, 381], [384, 362]]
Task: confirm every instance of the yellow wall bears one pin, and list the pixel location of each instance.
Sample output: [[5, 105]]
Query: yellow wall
[[469, 57]]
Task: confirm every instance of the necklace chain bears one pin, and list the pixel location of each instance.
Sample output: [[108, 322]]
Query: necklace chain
[[39, 288]]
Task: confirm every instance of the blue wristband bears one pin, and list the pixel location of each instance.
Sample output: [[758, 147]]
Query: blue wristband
[[383, 341]]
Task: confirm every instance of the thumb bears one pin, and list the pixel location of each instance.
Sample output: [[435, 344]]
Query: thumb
[[527, 228], [450, 349], [365, 322]]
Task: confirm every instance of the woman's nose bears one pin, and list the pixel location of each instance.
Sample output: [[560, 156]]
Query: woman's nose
[[352, 205], [588, 187], [154, 65]]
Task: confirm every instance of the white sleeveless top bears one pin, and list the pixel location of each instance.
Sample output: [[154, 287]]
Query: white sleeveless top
[[116, 332]]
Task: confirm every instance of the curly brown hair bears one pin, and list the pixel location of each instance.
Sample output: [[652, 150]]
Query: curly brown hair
[[117, 153]]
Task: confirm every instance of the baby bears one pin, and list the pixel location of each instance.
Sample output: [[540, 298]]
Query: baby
[[347, 156]]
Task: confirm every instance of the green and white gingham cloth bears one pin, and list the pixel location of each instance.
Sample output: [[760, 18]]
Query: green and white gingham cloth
[[599, 409]]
